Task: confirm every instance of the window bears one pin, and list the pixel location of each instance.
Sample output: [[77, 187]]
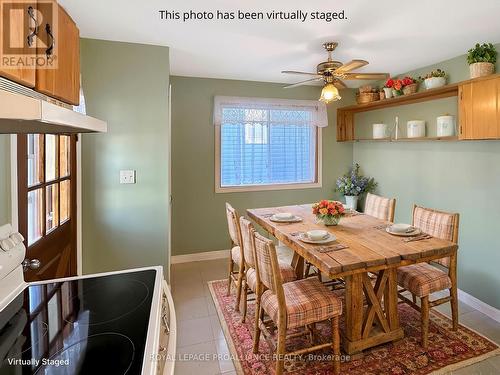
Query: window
[[48, 179], [267, 144]]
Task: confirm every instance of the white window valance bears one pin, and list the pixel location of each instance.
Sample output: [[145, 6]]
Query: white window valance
[[237, 110]]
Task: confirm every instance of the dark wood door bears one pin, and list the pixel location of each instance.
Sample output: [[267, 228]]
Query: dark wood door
[[47, 203]]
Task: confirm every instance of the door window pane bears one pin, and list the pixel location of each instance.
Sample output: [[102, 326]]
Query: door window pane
[[35, 159], [50, 157], [65, 200], [52, 211], [64, 156], [35, 215]]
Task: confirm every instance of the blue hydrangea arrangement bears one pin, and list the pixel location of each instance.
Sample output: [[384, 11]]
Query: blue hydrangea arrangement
[[355, 184]]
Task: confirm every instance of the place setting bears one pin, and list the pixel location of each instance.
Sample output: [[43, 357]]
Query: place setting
[[407, 231], [319, 237], [284, 217]]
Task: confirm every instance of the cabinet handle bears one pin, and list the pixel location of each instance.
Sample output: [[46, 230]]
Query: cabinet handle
[[33, 32], [50, 49]]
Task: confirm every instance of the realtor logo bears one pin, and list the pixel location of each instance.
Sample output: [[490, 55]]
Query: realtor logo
[[28, 34]]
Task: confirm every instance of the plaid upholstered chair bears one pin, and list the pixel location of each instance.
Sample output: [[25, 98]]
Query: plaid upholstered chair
[[236, 257], [423, 279], [380, 207], [250, 275], [296, 304]]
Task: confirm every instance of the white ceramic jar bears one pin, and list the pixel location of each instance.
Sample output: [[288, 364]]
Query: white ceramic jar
[[445, 126], [434, 82], [379, 131], [415, 129]]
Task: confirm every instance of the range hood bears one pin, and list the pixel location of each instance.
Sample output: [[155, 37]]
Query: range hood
[[24, 114]]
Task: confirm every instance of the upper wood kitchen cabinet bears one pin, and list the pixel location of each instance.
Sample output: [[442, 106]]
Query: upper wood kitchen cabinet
[[20, 27], [63, 82], [479, 109]]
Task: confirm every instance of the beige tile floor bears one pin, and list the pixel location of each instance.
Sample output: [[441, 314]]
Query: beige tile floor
[[201, 342]]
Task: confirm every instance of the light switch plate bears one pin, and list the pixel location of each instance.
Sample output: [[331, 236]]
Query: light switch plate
[[127, 176]]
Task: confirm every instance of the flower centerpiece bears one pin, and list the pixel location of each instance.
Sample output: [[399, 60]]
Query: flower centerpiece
[[389, 84], [410, 85], [434, 79], [353, 184], [329, 212], [482, 59]]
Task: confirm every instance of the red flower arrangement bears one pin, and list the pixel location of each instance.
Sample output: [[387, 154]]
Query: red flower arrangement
[[389, 83], [328, 211]]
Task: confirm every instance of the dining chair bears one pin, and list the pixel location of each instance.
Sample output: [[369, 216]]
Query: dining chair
[[296, 304], [250, 277], [423, 279], [236, 256], [380, 207]]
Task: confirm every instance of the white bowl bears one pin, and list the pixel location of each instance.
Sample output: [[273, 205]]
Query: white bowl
[[283, 216], [399, 228], [317, 235]]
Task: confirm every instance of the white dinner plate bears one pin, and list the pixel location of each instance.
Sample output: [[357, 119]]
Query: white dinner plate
[[330, 238], [293, 219], [415, 232]]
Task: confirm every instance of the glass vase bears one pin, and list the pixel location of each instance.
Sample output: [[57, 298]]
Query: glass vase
[[330, 220]]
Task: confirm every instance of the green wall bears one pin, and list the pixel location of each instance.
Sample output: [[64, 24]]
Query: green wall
[[455, 176], [4, 179], [199, 221], [125, 225]]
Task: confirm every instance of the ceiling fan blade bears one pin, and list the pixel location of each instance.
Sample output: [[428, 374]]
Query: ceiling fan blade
[[339, 84], [369, 76], [303, 82], [351, 65], [301, 73]]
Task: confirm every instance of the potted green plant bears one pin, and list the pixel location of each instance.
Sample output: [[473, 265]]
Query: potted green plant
[[353, 184], [482, 59], [434, 79]]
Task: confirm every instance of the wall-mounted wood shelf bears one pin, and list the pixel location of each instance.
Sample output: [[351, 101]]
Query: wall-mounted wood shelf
[[422, 96], [419, 139], [475, 120]]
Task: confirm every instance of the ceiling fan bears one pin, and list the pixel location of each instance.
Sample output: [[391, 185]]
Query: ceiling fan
[[331, 72]]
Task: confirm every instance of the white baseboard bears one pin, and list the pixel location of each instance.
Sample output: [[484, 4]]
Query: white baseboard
[[197, 257], [479, 305]]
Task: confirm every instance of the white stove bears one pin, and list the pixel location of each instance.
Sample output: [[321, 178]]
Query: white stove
[[114, 323]]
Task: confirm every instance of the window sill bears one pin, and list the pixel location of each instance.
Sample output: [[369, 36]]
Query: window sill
[[254, 188]]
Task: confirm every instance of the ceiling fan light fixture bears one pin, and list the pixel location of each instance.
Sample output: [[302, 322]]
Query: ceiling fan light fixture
[[329, 93]]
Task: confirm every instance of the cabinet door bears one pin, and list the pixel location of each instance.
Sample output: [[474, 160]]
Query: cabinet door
[[62, 83], [479, 112], [16, 19]]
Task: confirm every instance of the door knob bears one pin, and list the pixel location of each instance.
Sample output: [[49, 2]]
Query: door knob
[[30, 264]]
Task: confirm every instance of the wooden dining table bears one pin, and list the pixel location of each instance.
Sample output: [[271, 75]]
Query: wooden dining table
[[371, 304]]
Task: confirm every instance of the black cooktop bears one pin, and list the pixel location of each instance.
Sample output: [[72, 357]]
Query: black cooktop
[[96, 325]]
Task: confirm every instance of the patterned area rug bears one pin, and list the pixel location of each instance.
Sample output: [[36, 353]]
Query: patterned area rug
[[447, 350]]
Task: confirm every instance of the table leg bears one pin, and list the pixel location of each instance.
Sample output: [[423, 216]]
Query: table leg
[[367, 324], [298, 265]]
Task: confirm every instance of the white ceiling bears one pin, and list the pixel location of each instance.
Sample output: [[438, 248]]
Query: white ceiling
[[393, 35]]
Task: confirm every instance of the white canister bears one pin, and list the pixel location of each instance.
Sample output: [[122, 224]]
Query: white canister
[[379, 131], [445, 126], [415, 129]]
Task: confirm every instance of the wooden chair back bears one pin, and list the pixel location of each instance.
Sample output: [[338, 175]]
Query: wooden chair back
[[233, 225], [380, 207], [267, 267], [247, 232], [439, 224]]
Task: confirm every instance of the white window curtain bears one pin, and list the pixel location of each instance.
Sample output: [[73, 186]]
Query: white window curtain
[[232, 109], [268, 141]]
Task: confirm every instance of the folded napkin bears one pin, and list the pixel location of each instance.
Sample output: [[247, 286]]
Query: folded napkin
[[419, 237], [336, 247]]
